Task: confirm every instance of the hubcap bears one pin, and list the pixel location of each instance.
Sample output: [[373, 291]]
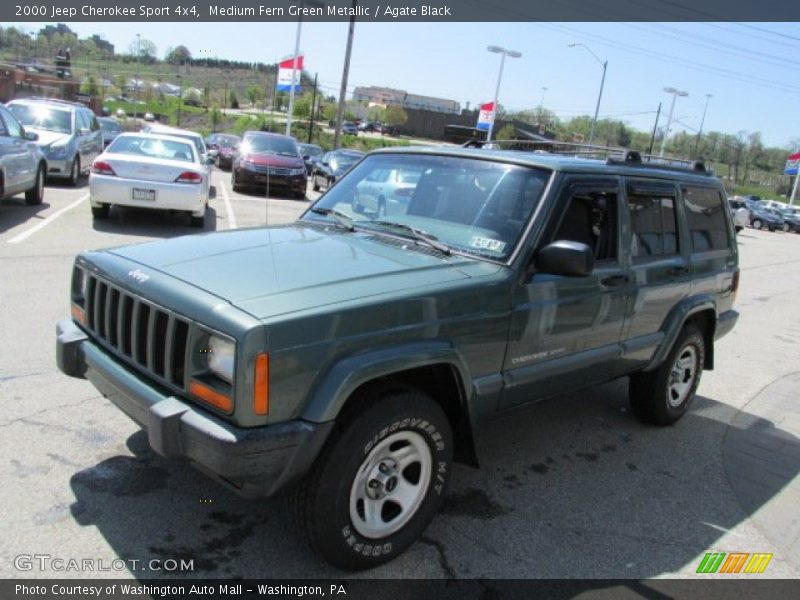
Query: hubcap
[[390, 485], [682, 376]]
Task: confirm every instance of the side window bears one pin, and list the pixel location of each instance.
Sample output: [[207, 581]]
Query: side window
[[705, 215], [9, 125], [589, 215], [81, 120], [653, 220], [94, 125]]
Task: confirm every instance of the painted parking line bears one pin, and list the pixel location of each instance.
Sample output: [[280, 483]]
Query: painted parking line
[[47, 220], [228, 206]]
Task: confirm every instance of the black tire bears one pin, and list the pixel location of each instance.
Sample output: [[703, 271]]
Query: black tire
[[360, 447], [75, 171], [653, 395], [315, 187], [235, 186], [35, 195], [198, 222], [739, 228], [100, 212], [757, 224]]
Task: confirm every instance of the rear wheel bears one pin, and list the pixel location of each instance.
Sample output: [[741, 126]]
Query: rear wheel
[[758, 224], [661, 397], [316, 185], [379, 482], [36, 193], [198, 222], [101, 212]]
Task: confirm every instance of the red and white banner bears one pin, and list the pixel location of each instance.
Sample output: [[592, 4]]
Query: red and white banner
[[285, 74], [486, 116]]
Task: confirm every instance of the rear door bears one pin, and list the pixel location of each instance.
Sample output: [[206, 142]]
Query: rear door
[[565, 331], [18, 160], [659, 274]]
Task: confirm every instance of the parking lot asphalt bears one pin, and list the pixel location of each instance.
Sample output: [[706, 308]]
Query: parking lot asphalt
[[570, 487]]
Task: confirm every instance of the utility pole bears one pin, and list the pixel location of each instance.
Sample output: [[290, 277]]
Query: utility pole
[[702, 122], [311, 112], [345, 72], [655, 128]]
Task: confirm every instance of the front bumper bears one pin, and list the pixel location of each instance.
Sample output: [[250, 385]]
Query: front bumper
[[59, 168], [248, 178], [254, 462]]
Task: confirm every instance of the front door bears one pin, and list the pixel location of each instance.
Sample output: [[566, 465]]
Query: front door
[[565, 331]]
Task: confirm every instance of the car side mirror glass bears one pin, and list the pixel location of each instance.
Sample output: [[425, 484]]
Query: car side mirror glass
[[31, 136], [306, 157], [565, 257], [83, 131]]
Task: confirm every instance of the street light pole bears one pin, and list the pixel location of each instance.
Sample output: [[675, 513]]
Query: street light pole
[[503, 53], [604, 64], [303, 3], [675, 93], [702, 122]]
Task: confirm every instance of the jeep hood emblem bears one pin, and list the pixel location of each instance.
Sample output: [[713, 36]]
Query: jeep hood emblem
[[138, 275]]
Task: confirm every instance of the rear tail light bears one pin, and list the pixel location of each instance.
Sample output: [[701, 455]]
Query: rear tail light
[[189, 177], [101, 167]]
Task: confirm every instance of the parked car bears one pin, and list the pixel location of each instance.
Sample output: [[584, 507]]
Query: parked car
[[349, 128], [22, 163], [111, 128], [151, 171], [348, 357], [740, 213], [761, 218], [388, 129], [193, 136], [311, 154], [385, 192], [69, 135], [791, 220], [224, 147], [332, 166], [269, 160], [369, 126]]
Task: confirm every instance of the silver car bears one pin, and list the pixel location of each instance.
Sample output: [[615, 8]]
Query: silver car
[[22, 163], [69, 134]]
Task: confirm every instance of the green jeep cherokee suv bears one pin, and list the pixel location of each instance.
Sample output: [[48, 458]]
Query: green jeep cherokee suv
[[348, 355]]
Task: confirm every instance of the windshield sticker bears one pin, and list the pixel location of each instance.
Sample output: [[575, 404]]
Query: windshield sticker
[[487, 244]]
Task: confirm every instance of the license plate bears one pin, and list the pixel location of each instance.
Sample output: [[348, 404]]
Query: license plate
[[140, 194]]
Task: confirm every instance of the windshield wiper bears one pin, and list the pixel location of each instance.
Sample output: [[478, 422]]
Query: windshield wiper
[[417, 234], [341, 218]]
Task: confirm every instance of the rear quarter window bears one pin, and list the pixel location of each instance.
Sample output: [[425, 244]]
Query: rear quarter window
[[706, 218]]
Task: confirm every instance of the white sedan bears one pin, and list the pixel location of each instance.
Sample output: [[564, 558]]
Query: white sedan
[[154, 171]]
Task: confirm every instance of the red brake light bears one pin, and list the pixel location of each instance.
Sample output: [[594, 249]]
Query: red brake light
[[102, 168], [189, 177]]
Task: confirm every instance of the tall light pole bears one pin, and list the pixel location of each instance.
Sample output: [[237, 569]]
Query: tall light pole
[[702, 122], [675, 93], [314, 3], [136, 82], [604, 64], [541, 101], [503, 53]]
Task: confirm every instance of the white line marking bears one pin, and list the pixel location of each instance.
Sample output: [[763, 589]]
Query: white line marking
[[26, 234], [228, 206]]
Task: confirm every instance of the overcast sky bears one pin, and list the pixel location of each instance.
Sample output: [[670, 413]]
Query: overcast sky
[[749, 69]]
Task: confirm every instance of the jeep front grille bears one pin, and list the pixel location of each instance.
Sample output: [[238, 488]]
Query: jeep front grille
[[146, 335]]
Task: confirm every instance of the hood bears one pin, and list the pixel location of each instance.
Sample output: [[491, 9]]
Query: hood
[[49, 138], [277, 270], [274, 160]]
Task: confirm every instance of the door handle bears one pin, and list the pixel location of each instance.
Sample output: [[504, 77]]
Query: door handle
[[678, 271], [614, 280]]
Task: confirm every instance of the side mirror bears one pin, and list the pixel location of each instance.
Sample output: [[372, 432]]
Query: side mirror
[[565, 257], [306, 157], [83, 131], [31, 136], [210, 160]]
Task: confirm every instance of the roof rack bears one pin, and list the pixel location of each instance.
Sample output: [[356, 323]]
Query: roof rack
[[612, 155]]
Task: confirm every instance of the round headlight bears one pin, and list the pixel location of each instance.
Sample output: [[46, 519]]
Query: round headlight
[[220, 357]]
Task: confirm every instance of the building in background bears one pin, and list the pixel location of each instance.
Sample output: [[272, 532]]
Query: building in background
[[382, 96]]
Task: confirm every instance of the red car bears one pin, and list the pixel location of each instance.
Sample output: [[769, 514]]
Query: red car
[[269, 160]]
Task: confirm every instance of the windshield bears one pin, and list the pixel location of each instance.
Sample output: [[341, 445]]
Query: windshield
[[310, 150], [341, 161], [269, 144], [472, 206], [109, 126], [226, 141], [39, 116], [152, 148]]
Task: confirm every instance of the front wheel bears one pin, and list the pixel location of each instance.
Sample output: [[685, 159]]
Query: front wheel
[[75, 172], [661, 397], [379, 482], [35, 195], [757, 224]]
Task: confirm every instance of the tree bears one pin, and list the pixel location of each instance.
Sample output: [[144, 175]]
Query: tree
[[507, 132], [90, 86], [254, 93], [143, 50], [191, 97], [234, 101], [302, 107], [178, 55], [395, 115]]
